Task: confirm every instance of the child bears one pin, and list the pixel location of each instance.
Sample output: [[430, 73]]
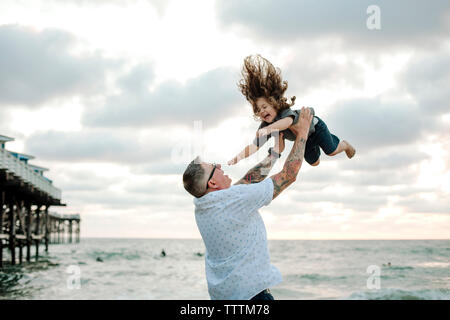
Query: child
[[263, 88]]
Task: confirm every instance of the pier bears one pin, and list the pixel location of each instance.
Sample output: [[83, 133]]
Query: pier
[[25, 198], [64, 228]]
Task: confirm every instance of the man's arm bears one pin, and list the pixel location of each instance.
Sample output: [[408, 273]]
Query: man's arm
[[259, 172], [293, 163]]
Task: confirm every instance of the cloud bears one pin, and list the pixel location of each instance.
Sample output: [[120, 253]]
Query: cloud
[[365, 183], [309, 200], [323, 177], [97, 146], [428, 80], [211, 97], [70, 180], [395, 159], [112, 199], [415, 204], [159, 5], [156, 184], [393, 120], [402, 22], [38, 66], [310, 68], [137, 79], [373, 123], [151, 203], [4, 117], [164, 167]]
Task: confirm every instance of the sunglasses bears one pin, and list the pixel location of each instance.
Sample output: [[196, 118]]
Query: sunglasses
[[212, 173]]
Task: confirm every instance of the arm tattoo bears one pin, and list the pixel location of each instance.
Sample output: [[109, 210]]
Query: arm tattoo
[[291, 167], [259, 172]]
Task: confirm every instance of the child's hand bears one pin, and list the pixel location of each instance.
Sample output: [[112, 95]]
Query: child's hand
[[263, 132], [233, 161]]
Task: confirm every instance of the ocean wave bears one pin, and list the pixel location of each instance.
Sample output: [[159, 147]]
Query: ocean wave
[[392, 277], [424, 250], [399, 294], [315, 277], [434, 264], [398, 267], [104, 256]]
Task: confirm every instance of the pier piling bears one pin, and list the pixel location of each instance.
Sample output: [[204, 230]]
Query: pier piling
[[28, 212], [2, 203], [25, 198], [12, 231]]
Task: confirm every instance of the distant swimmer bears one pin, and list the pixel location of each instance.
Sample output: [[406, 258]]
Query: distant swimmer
[[99, 259], [387, 265], [163, 253]]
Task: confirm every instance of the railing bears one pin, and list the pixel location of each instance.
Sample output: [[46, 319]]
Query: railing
[[23, 171], [74, 216]]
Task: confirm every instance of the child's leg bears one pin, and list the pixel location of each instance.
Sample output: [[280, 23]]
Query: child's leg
[[344, 146], [329, 143], [312, 151]]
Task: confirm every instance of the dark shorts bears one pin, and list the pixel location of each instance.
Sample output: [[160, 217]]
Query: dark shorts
[[320, 139], [263, 295]]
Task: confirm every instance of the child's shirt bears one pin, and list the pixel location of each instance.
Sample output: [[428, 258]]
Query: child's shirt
[[288, 134]]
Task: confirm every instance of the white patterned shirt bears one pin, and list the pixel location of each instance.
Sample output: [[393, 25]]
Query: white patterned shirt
[[237, 261]]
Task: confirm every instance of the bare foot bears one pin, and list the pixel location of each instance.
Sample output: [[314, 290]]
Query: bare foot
[[349, 150]]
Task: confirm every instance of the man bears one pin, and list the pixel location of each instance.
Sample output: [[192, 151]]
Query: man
[[237, 258]]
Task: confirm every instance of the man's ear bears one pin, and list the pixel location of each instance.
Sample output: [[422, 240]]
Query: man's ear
[[212, 184]]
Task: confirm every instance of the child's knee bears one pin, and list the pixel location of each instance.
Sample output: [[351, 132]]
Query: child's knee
[[316, 163], [334, 152]]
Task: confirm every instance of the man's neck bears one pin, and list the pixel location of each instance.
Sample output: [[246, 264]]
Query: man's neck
[[212, 190]]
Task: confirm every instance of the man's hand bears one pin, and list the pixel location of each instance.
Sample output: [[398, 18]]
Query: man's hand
[[304, 122]]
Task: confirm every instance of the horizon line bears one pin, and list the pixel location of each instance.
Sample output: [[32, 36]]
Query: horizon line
[[276, 239]]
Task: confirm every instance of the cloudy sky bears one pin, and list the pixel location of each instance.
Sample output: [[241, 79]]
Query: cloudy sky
[[116, 97]]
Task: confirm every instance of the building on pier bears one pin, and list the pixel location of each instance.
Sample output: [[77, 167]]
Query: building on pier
[[25, 197]]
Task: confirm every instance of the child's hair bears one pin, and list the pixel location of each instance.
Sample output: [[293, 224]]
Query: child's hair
[[262, 79]]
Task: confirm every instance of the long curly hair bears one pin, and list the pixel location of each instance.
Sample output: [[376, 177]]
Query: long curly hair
[[260, 79]]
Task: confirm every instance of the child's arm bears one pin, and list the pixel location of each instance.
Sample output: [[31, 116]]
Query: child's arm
[[247, 152], [279, 125]]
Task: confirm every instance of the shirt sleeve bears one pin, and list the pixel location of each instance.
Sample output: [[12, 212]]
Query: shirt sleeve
[[297, 115], [287, 113], [255, 195]]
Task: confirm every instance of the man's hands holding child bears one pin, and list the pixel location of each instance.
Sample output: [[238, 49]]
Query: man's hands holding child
[[301, 128]]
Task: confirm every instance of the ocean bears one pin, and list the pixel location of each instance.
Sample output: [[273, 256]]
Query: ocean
[[311, 269]]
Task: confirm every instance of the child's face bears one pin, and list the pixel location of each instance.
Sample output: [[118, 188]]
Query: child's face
[[265, 111]]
